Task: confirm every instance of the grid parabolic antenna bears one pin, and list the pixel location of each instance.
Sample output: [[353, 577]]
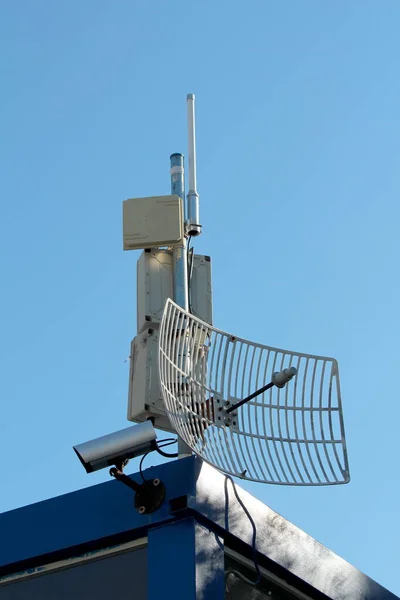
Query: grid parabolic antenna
[[290, 436]]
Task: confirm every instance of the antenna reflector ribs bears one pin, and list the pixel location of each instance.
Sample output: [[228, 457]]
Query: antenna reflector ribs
[[287, 427]]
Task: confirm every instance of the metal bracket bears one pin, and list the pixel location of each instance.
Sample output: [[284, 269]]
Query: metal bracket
[[149, 495], [222, 416]]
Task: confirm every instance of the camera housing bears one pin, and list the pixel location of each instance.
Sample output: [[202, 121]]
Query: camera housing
[[116, 448]]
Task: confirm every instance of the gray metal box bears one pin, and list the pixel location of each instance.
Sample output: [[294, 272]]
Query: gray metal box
[[144, 395], [155, 285]]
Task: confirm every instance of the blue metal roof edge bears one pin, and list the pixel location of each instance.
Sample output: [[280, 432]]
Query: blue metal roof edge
[[106, 510], [89, 514], [281, 541]]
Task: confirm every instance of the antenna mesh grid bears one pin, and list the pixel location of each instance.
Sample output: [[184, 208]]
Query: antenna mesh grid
[[289, 436]]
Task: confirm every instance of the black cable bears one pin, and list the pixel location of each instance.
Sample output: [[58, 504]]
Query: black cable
[[188, 271], [140, 466], [190, 261], [169, 441], [253, 544], [158, 449]]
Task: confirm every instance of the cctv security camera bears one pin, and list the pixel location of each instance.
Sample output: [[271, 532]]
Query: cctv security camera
[[118, 447]]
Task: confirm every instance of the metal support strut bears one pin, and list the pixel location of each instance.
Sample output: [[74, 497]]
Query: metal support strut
[[279, 379]]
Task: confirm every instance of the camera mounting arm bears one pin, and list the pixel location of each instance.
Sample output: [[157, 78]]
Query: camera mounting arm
[[149, 495]]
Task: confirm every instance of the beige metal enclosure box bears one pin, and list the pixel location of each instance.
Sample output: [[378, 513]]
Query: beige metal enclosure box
[[152, 222]]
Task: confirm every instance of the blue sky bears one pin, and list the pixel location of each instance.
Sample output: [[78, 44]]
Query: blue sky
[[298, 173]]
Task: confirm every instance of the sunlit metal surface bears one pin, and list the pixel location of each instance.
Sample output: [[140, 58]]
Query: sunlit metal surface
[[289, 436]]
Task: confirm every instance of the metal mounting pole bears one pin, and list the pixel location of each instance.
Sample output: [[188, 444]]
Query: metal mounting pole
[[179, 253], [179, 260]]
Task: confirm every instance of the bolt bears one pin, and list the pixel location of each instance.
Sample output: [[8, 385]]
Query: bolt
[[156, 482], [141, 510]]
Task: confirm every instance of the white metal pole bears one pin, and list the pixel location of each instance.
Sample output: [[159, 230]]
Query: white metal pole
[[193, 204], [191, 142]]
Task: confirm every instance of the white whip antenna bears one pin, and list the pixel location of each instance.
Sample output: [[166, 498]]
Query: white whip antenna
[[193, 204]]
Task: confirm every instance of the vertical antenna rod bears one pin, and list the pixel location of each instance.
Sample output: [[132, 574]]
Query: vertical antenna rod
[[193, 204]]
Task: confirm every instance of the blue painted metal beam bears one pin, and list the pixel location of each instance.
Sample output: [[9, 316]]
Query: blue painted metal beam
[[81, 517], [186, 560], [102, 511]]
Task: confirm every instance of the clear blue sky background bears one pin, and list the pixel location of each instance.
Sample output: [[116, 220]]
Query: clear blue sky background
[[298, 170]]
